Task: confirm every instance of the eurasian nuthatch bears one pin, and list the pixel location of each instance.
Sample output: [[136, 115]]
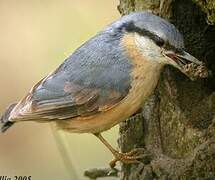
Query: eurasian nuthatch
[[106, 80]]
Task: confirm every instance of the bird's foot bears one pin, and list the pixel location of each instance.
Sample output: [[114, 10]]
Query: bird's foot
[[131, 157]]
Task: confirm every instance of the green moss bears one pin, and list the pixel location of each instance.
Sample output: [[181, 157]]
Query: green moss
[[208, 6]]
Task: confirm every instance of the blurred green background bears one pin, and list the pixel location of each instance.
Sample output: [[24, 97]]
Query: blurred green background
[[35, 37]]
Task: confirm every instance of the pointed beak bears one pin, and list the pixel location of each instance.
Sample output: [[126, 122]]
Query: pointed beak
[[184, 56], [187, 64]]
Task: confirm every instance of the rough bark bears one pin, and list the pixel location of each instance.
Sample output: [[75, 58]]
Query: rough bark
[[177, 124]]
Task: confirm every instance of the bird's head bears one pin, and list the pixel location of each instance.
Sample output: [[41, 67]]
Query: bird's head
[[157, 39]]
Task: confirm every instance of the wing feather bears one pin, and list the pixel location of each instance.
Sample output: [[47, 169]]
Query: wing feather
[[93, 79]]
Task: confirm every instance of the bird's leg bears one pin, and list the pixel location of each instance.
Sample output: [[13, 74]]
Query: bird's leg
[[128, 158]]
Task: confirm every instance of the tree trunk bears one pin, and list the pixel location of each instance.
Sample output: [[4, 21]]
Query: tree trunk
[[177, 124]]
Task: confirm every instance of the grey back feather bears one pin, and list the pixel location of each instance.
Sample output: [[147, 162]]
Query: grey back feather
[[100, 65]]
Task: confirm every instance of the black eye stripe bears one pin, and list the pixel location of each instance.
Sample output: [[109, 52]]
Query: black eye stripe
[[130, 27], [160, 42], [168, 46]]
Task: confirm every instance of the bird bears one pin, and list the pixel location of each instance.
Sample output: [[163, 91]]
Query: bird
[[106, 80]]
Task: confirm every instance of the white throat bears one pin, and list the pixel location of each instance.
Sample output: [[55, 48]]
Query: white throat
[[149, 50]]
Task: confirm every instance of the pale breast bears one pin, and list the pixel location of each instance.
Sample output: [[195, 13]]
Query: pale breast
[[145, 75]]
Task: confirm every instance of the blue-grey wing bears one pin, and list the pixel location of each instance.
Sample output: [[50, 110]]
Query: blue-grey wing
[[93, 79]]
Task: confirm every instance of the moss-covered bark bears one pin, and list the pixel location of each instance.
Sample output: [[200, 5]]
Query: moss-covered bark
[[208, 6], [177, 125]]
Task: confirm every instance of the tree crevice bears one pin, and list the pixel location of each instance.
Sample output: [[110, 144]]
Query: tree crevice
[[177, 125]]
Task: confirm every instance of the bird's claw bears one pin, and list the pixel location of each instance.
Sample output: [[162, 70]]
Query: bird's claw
[[128, 158]]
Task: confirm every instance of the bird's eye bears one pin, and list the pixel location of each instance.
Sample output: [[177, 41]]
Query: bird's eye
[[160, 42]]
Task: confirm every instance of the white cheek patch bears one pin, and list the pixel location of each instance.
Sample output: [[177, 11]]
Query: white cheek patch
[[148, 48]]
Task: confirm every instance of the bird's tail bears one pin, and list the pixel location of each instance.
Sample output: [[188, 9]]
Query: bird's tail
[[5, 118]]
